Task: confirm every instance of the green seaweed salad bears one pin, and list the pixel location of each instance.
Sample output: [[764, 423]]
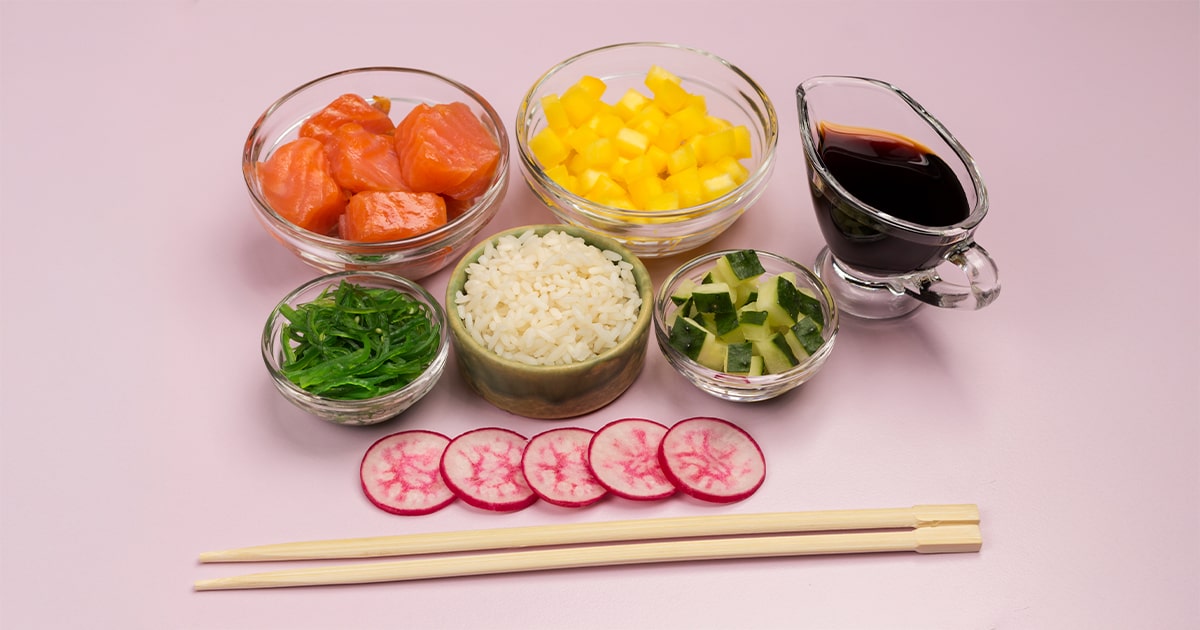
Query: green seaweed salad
[[354, 342]]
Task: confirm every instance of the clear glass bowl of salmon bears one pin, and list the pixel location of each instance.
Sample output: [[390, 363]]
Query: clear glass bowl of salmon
[[356, 347], [659, 146], [745, 325], [381, 168]]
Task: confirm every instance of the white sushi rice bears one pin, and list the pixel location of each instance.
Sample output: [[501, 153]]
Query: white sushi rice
[[548, 300]]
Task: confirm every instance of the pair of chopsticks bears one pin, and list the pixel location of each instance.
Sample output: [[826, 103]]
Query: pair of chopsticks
[[921, 528]]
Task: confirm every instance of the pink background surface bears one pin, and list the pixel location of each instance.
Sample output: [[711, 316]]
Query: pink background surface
[[139, 428]]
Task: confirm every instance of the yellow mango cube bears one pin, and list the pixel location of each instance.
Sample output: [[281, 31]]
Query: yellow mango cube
[[713, 124], [606, 123], [604, 188], [592, 85], [648, 121], [670, 97], [656, 76], [741, 143], [617, 169], [601, 153], [563, 178], [556, 114], [686, 184], [630, 104], [618, 201], [715, 146], [638, 167], [681, 159], [631, 143], [666, 200], [642, 190], [588, 179], [549, 148], [658, 158], [577, 164], [715, 186], [580, 138], [690, 120], [733, 167], [670, 136], [580, 104]]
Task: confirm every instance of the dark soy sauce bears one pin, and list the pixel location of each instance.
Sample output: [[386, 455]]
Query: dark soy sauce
[[895, 176]]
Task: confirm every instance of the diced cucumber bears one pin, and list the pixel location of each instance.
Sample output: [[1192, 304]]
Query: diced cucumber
[[714, 297], [712, 353], [738, 357], [733, 336], [739, 266], [777, 355], [794, 344], [687, 336], [780, 298], [810, 307], [754, 325], [700, 345], [756, 366], [720, 323], [808, 333], [684, 292]]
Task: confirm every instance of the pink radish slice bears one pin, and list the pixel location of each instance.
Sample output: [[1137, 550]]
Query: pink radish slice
[[712, 460], [483, 467], [623, 455], [401, 473], [556, 466]]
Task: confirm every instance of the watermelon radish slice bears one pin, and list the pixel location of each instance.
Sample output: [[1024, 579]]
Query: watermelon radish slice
[[623, 455], [712, 460], [556, 465], [401, 473], [483, 468]]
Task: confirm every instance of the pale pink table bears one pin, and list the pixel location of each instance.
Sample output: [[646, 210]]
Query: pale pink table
[[138, 426]]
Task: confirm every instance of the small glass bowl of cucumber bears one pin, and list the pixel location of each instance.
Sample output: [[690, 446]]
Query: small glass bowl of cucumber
[[745, 325]]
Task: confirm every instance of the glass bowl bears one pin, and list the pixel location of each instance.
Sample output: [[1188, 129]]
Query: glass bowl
[[366, 411], [551, 391], [414, 257], [729, 94], [740, 387]]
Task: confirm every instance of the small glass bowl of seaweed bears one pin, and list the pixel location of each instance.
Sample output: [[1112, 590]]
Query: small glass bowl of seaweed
[[356, 347]]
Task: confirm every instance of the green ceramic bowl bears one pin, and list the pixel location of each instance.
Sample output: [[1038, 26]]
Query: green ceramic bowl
[[558, 391]]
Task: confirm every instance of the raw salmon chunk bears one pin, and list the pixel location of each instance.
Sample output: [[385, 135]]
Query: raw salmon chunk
[[446, 149], [298, 183], [388, 216], [364, 160], [348, 108]]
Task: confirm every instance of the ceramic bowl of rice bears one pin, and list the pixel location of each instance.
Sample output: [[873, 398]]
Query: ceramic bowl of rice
[[549, 321]]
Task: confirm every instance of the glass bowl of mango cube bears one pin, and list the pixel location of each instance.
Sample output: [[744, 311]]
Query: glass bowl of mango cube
[[656, 145]]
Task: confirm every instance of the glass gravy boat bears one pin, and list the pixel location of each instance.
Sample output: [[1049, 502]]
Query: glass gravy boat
[[898, 200]]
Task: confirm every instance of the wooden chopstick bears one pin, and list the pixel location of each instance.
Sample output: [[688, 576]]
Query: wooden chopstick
[[925, 539], [607, 532]]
